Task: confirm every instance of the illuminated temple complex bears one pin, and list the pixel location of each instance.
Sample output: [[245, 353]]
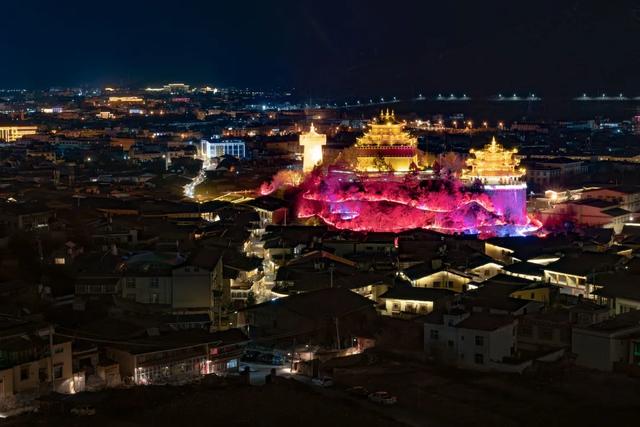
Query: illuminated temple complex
[[383, 189], [496, 168], [386, 146]]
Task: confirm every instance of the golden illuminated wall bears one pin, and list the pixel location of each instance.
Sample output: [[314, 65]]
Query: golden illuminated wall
[[396, 164], [13, 133]]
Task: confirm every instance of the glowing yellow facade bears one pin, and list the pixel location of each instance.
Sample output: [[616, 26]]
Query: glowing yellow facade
[[386, 146], [312, 142], [14, 133], [494, 165]]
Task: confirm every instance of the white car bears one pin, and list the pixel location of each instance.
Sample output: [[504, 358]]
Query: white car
[[251, 368], [383, 398], [323, 381]]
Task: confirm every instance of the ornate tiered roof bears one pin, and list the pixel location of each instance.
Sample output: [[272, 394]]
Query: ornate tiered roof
[[385, 130], [494, 164]]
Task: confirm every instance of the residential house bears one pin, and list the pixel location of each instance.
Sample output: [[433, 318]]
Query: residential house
[[434, 275], [619, 291], [577, 272], [330, 317], [177, 356], [474, 340], [147, 277], [403, 299], [319, 269], [33, 359], [198, 283], [609, 344]]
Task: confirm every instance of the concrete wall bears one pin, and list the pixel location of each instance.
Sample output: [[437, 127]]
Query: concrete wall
[[144, 292], [458, 346], [598, 351]]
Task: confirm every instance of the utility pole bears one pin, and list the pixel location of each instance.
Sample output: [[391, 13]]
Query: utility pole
[[331, 268], [337, 333], [53, 386]]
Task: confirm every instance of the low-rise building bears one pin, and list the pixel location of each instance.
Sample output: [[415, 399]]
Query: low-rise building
[[404, 299], [33, 360], [610, 343], [14, 133], [428, 275], [474, 340], [177, 356]]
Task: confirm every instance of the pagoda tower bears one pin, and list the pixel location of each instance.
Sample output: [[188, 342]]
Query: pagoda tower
[[494, 165], [497, 168], [312, 142], [386, 146]]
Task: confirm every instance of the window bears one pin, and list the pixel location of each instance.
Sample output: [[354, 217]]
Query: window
[[436, 284], [232, 364], [58, 350], [478, 359], [525, 330], [57, 371], [434, 334], [154, 282], [479, 340], [24, 373], [131, 282], [450, 343], [450, 284], [545, 333]]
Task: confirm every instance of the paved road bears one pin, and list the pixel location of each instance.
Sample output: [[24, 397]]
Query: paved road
[[397, 412]]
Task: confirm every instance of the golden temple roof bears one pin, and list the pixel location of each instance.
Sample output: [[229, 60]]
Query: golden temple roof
[[385, 130], [494, 161]]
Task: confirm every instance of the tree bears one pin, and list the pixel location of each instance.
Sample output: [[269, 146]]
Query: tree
[[425, 159], [452, 163], [381, 165]]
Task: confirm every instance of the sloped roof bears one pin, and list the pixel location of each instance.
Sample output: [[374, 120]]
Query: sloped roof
[[320, 304]]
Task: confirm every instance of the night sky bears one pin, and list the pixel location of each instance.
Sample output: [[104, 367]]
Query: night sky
[[324, 48]]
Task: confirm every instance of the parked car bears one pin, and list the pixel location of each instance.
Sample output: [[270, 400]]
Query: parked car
[[383, 398], [244, 366], [358, 391], [323, 381], [83, 410]]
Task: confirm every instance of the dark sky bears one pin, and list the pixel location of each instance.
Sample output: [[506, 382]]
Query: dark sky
[[329, 47]]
